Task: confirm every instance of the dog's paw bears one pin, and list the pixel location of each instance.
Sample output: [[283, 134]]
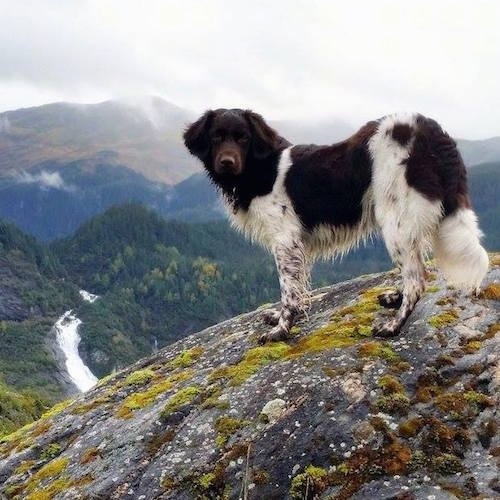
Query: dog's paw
[[271, 317], [391, 299], [275, 335], [384, 328]]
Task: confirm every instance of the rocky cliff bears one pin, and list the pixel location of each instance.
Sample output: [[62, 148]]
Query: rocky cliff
[[334, 413]]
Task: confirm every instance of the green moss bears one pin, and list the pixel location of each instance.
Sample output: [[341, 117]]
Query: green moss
[[472, 346], [446, 318], [58, 408], [51, 451], [138, 400], [206, 480], [329, 371], [226, 426], [432, 289], [460, 405], [50, 470], [13, 490], [167, 483], [343, 468], [491, 292], [390, 385], [253, 359], [431, 276], [418, 461], [311, 480], [186, 358], [180, 398], [84, 408], [379, 350], [478, 400], [140, 377], [410, 428], [51, 490], [209, 485], [393, 404], [211, 399], [104, 380], [348, 326], [24, 466], [445, 301], [41, 427], [446, 463]]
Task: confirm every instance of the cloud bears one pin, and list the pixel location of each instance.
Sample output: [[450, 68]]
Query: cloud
[[45, 180], [288, 59]]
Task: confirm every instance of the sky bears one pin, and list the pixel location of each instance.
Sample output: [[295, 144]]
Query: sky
[[315, 61]]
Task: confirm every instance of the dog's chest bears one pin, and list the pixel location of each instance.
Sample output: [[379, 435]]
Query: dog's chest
[[269, 218]]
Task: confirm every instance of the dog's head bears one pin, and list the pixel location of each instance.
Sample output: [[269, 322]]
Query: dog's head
[[225, 139]]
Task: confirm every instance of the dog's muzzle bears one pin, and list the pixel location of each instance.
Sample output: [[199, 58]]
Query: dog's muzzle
[[228, 163]]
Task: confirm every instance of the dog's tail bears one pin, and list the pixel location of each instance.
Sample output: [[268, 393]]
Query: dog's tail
[[458, 251]]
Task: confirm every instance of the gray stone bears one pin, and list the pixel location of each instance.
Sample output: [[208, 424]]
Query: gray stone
[[352, 416]]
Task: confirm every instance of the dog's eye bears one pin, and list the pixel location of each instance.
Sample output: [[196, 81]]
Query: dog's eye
[[216, 139], [242, 139]]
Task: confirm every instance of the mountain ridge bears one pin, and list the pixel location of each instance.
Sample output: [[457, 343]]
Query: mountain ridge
[[145, 134]]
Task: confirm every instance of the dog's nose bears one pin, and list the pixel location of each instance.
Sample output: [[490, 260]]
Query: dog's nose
[[227, 162]]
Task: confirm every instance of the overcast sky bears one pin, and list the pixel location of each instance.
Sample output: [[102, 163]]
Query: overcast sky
[[287, 59]]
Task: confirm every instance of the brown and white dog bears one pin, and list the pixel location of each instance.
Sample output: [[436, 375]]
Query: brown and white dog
[[401, 175]]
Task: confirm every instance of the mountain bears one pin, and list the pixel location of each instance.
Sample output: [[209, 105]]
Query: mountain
[[61, 163], [334, 413], [54, 199], [477, 152], [484, 182], [144, 134]]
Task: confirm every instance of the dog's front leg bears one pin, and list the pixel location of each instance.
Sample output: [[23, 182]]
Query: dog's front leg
[[293, 270]]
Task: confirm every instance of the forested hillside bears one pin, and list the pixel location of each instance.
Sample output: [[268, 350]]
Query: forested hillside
[[159, 280], [484, 182], [33, 292]]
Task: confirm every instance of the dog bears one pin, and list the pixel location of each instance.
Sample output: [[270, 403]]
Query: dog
[[401, 176]]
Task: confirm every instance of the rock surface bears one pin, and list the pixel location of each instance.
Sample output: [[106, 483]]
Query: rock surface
[[345, 415]]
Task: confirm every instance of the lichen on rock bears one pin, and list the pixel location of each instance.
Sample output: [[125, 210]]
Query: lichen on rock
[[333, 413]]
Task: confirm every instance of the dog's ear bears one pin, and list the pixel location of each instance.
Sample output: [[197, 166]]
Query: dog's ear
[[196, 136], [265, 140]]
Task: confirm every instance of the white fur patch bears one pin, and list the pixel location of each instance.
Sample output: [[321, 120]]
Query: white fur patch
[[458, 250], [405, 216], [270, 220]]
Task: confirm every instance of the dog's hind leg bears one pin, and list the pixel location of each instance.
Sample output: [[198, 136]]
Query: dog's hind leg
[[293, 270], [407, 228], [411, 262]]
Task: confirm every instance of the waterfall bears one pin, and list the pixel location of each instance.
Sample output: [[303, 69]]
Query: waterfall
[[68, 340]]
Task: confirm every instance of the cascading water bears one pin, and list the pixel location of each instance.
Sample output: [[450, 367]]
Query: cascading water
[[68, 340]]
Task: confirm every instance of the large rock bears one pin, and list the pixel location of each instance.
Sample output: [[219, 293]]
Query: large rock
[[334, 413]]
